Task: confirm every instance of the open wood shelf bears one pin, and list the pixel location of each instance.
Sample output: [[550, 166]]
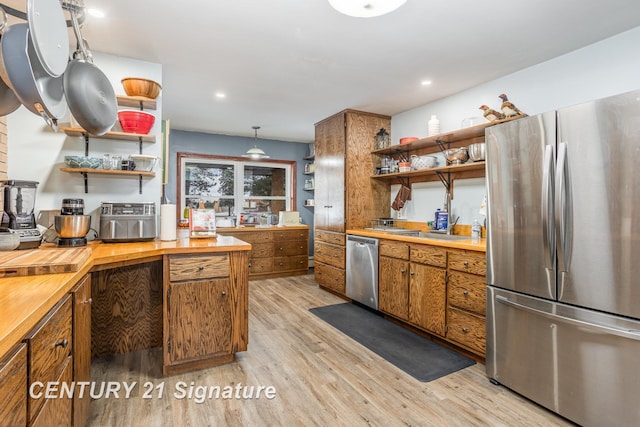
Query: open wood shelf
[[140, 102], [122, 136], [108, 171], [465, 170]]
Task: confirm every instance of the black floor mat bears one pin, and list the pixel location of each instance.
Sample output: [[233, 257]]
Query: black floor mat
[[419, 357]]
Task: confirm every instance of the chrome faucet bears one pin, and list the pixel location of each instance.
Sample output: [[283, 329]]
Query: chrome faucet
[[452, 224]]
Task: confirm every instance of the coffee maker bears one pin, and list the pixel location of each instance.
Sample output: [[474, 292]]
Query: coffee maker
[[18, 215]]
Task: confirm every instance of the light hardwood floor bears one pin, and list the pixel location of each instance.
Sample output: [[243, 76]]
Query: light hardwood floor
[[321, 378]]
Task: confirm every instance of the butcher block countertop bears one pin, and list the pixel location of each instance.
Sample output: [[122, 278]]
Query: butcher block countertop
[[25, 300], [467, 244]]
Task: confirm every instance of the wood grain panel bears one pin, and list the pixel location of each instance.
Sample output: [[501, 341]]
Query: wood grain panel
[[260, 265], [261, 250], [251, 236], [199, 315], [428, 298], [330, 277], [50, 344], [467, 330], [468, 292], [394, 249], [126, 313], [57, 412], [81, 295], [299, 262], [13, 387], [366, 198], [330, 254], [240, 300], [330, 174], [292, 247], [42, 261], [469, 262], [393, 287], [330, 237], [197, 267], [281, 235], [431, 255]]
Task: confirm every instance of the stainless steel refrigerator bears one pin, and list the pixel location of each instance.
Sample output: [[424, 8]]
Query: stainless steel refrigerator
[[563, 259]]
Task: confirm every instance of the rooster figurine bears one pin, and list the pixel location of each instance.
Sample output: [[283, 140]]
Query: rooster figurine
[[508, 107], [491, 114]]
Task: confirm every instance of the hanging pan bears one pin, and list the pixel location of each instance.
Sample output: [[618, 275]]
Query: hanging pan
[[9, 102], [88, 92], [36, 89]]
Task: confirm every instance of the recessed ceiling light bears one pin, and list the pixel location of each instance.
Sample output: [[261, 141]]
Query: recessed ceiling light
[[97, 13], [220, 95], [425, 82], [366, 8]]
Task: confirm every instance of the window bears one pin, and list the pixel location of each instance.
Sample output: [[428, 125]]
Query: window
[[241, 191]]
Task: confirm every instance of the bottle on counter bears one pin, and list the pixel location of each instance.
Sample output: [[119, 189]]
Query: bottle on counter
[[476, 231], [435, 219], [443, 220]]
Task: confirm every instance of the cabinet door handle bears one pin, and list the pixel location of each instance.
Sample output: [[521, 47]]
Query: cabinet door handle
[[402, 270], [281, 248], [466, 263], [465, 330], [465, 292], [413, 273], [62, 343], [201, 267], [281, 264], [249, 265], [224, 294], [88, 301]]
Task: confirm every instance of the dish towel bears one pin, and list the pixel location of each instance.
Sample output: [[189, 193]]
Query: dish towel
[[403, 195]]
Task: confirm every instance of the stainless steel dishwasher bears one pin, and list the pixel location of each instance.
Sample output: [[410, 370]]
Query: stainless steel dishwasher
[[362, 270]]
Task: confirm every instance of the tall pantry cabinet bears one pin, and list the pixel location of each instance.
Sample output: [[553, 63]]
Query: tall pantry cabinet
[[345, 195]]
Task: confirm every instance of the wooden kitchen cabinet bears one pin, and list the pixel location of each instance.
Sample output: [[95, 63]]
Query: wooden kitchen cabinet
[[50, 354], [13, 387], [466, 300], [206, 310], [345, 197], [393, 278], [276, 251], [81, 295], [428, 288]]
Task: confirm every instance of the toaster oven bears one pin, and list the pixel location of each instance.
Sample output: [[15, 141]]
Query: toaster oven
[[127, 221]]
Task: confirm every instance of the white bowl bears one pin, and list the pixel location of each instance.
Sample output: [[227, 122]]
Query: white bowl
[[144, 163], [423, 162]]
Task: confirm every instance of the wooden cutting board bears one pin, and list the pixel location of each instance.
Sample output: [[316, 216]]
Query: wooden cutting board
[[42, 261]]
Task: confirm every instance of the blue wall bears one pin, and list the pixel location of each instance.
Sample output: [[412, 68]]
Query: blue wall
[[226, 145]]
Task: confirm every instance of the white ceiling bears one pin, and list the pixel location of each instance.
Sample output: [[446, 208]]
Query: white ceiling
[[286, 64]]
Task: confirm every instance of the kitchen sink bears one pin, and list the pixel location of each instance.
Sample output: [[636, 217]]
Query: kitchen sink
[[441, 236]]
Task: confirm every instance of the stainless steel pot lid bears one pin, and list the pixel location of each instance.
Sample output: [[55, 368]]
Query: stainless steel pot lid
[[49, 34]]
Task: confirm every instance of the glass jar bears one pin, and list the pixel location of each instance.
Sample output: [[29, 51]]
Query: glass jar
[[106, 161]]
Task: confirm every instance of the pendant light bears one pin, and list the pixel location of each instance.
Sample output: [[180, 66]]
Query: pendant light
[[366, 8], [255, 152]]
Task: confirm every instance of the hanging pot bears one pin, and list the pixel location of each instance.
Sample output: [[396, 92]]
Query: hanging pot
[[49, 35], [38, 91], [9, 102], [89, 94]]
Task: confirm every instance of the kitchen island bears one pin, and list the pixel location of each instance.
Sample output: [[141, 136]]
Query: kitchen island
[[46, 326]]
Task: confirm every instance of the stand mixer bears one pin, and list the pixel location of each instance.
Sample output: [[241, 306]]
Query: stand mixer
[[19, 204]]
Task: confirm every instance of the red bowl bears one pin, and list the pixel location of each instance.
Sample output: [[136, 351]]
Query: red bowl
[[408, 139], [133, 121]]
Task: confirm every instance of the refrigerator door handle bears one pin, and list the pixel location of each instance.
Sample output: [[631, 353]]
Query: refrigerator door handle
[[563, 215], [548, 224], [625, 333]]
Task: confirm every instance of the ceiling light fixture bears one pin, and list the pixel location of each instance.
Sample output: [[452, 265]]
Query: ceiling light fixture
[[97, 13], [220, 95], [426, 83], [255, 152], [366, 8]]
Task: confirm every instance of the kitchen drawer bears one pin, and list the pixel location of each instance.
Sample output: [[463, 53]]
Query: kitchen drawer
[[288, 263], [294, 247], [196, 267], [468, 292], [469, 262], [394, 249], [330, 237], [56, 412], [260, 265], [261, 250], [424, 254], [50, 344], [467, 329], [280, 235], [330, 254], [253, 236], [13, 387], [329, 277]]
